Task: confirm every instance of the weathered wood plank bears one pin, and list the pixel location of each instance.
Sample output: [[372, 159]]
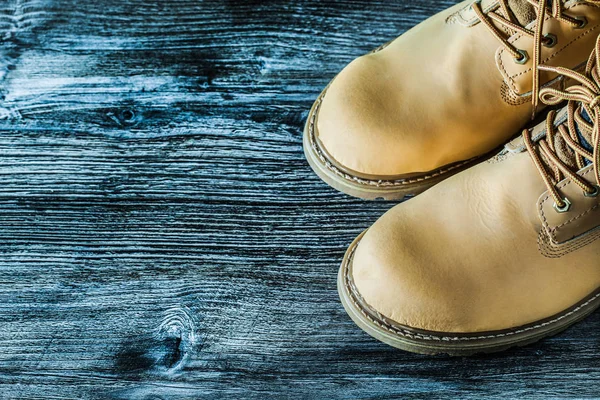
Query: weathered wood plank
[[162, 235]]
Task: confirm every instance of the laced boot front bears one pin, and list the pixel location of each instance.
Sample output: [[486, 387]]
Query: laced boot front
[[500, 255], [569, 147]]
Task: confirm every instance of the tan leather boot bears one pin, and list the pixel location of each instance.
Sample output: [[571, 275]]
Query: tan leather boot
[[443, 95], [502, 254]]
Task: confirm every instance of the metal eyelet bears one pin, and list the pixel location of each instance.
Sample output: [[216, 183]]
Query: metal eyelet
[[594, 193], [524, 57], [564, 208], [582, 22], [550, 40]]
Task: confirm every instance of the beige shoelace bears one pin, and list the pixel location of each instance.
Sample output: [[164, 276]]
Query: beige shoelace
[[504, 16], [585, 95]]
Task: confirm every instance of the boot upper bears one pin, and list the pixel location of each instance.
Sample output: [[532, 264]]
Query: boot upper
[[512, 241], [472, 254], [422, 102]]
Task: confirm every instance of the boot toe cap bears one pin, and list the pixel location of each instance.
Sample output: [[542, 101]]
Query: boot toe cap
[[400, 278], [360, 123]]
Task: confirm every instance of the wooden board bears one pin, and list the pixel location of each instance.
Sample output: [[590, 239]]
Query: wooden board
[[162, 236]]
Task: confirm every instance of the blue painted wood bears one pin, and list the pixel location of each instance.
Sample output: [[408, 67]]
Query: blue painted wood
[[162, 236]]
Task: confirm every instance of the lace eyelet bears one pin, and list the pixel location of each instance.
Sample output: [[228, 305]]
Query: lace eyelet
[[524, 57], [550, 40], [564, 208], [582, 22], [595, 193]]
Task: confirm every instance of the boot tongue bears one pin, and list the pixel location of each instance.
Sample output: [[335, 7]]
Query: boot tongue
[[522, 10], [585, 139], [564, 151]]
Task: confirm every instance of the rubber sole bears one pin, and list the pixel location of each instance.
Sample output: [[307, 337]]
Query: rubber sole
[[364, 188], [453, 344]]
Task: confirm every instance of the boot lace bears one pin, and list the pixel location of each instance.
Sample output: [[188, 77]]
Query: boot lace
[[583, 106], [503, 16]]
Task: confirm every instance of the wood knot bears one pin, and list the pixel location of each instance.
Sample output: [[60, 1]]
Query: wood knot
[[126, 117], [164, 351], [177, 333]]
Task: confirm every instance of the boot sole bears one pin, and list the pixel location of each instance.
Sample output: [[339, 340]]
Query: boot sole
[[453, 344]]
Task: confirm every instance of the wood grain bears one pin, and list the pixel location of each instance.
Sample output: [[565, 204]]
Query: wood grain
[[162, 236]]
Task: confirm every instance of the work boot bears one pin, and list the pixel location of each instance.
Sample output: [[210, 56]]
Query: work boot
[[500, 255], [445, 95]]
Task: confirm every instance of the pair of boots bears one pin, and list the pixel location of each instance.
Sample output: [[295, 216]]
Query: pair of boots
[[501, 247]]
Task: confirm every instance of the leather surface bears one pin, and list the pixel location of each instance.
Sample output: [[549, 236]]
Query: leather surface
[[467, 17], [431, 98], [571, 49], [464, 256], [583, 215]]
